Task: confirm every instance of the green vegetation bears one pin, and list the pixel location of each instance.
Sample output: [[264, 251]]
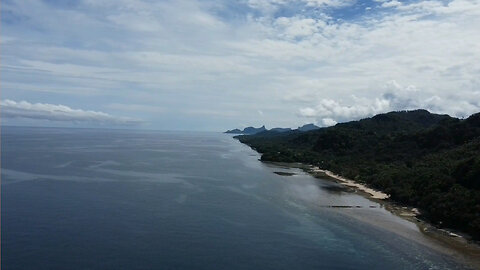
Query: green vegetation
[[423, 160]]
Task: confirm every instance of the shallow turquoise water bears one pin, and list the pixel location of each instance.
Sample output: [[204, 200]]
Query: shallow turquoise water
[[112, 199]]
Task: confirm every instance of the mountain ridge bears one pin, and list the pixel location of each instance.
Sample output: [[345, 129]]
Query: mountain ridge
[[252, 130]]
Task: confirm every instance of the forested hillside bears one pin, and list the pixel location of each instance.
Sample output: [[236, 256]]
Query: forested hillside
[[424, 160]]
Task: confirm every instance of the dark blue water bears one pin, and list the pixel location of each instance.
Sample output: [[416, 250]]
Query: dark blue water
[[109, 199]]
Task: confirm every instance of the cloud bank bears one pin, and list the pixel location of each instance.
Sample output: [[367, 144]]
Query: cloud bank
[[51, 112], [328, 112]]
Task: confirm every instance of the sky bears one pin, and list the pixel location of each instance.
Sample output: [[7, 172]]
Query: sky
[[214, 65]]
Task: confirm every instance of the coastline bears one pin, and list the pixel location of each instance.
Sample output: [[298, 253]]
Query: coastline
[[451, 243], [375, 194]]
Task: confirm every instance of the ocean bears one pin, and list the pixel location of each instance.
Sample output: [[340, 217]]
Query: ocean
[[124, 199]]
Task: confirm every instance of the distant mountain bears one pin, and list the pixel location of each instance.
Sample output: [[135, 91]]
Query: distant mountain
[[247, 130], [281, 130], [308, 127], [262, 129], [429, 161], [234, 131], [252, 130]]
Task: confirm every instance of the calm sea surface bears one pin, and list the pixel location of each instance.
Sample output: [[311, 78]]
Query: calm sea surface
[[110, 199]]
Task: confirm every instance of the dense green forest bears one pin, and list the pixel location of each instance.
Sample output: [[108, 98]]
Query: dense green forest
[[424, 160]]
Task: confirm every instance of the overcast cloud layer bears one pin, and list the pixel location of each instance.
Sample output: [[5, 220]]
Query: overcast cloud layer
[[212, 65]]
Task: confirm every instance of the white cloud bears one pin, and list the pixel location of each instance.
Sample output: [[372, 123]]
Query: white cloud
[[267, 6], [328, 110], [393, 3], [45, 111], [270, 7], [329, 3], [137, 108], [295, 27], [454, 7], [395, 98], [326, 122]]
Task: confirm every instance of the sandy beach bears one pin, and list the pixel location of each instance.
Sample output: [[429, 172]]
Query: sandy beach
[[441, 240], [447, 242], [375, 194]]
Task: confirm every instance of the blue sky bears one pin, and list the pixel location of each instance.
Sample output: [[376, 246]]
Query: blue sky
[[213, 65]]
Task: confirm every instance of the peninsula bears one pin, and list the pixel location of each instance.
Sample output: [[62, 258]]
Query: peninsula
[[420, 159]]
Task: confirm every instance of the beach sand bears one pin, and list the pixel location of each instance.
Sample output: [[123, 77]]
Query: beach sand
[[447, 242], [375, 194]]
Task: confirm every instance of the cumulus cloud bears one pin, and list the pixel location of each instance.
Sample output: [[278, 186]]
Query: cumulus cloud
[[52, 112], [326, 122], [393, 3], [329, 112], [297, 27], [395, 98], [329, 3], [270, 6]]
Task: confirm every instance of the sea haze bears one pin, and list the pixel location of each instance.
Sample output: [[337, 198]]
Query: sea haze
[[112, 199]]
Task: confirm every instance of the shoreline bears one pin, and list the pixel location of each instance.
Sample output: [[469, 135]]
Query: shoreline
[[451, 243], [375, 194]]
